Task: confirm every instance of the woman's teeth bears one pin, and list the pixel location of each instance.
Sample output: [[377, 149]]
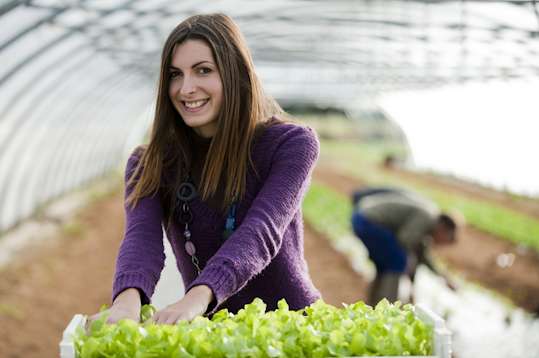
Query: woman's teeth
[[195, 104]]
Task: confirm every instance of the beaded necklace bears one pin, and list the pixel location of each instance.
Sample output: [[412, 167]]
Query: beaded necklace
[[185, 194]]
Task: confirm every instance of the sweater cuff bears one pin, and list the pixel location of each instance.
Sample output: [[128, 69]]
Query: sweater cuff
[[222, 282], [136, 280]]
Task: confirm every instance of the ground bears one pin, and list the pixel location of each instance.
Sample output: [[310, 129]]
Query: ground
[[42, 289]]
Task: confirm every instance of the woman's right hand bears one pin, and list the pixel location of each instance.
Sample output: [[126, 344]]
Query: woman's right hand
[[126, 306], [116, 313]]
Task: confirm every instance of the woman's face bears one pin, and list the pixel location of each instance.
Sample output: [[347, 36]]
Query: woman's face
[[196, 90]]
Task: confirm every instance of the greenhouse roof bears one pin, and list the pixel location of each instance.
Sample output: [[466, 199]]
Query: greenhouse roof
[[328, 51], [77, 77]]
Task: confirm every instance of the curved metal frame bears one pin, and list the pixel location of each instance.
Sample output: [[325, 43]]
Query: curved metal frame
[[356, 48]]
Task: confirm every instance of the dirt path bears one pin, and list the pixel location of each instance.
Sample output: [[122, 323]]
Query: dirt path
[[331, 273], [72, 274], [42, 290], [475, 255]]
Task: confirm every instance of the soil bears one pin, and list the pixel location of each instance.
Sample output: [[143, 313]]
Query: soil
[[42, 290], [475, 255]]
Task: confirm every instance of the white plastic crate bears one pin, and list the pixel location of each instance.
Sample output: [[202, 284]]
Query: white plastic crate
[[67, 347], [442, 336]]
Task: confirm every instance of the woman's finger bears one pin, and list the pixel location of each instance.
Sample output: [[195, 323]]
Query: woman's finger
[[90, 319], [162, 319], [184, 317], [171, 319], [155, 317]]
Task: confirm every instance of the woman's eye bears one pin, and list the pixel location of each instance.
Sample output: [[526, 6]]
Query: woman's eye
[[204, 70], [174, 74]]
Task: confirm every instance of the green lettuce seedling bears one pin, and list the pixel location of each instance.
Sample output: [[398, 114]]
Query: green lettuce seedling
[[320, 330]]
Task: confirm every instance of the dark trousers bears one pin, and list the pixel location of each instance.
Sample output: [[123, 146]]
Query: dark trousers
[[382, 245]]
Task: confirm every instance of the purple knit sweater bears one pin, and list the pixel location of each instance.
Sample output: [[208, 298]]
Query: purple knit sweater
[[263, 257]]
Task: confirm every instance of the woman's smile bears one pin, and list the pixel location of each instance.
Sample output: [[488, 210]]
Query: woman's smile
[[195, 106]]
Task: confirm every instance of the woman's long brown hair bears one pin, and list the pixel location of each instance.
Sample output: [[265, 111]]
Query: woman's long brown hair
[[244, 107]]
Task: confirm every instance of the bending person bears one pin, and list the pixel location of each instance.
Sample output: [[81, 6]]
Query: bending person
[[397, 228]]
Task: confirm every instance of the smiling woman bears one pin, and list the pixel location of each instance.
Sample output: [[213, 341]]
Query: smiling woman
[[196, 90], [224, 174]]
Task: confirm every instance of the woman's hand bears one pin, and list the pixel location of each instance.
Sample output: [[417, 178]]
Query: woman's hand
[[194, 303], [116, 313], [126, 306]]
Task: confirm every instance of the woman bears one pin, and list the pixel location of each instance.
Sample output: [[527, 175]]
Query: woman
[[223, 176]]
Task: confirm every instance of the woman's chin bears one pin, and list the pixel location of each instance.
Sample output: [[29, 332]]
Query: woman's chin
[[205, 130]]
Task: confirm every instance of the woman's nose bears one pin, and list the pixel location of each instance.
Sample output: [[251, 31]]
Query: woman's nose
[[188, 85]]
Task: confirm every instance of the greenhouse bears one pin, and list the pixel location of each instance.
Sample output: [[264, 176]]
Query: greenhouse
[[435, 98]]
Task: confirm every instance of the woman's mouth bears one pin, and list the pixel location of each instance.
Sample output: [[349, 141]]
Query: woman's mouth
[[194, 106]]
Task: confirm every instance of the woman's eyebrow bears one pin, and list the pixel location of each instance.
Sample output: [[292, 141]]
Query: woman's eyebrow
[[201, 62], [193, 66]]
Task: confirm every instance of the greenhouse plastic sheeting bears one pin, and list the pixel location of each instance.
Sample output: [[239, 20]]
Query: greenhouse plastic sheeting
[[78, 77]]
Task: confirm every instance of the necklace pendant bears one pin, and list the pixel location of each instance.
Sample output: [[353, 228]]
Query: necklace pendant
[[190, 248], [187, 234]]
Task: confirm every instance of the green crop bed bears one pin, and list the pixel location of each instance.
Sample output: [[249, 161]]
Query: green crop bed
[[327, 211], [320, 330], [360, 161]]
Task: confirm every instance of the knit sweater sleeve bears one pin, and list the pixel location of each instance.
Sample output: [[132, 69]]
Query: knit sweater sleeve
[[259, 237], [141, 256]]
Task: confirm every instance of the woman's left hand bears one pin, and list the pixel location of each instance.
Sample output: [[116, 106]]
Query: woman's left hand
[[193, 304]]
